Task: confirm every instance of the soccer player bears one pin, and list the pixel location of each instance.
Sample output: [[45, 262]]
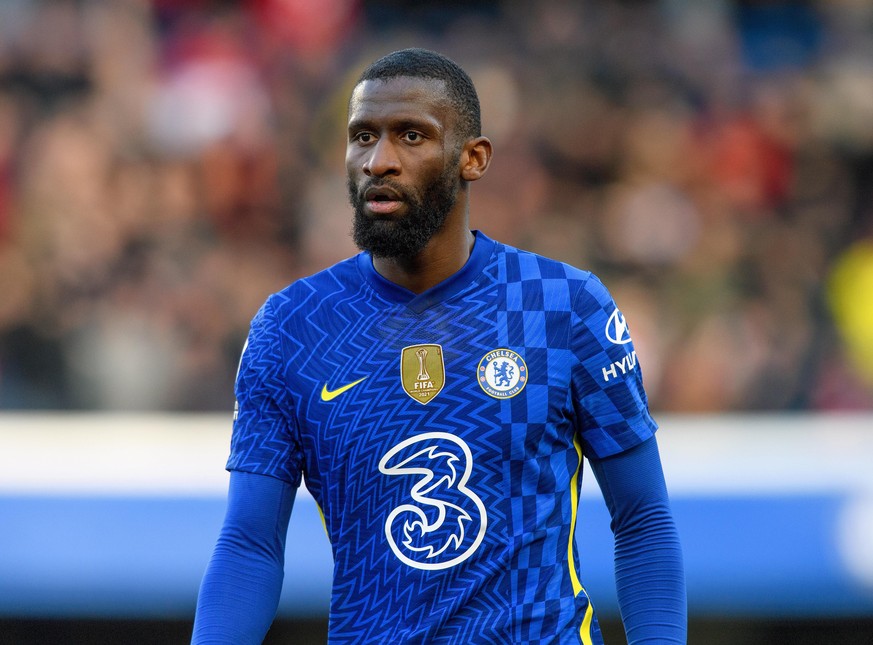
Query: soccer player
[[438, 393]]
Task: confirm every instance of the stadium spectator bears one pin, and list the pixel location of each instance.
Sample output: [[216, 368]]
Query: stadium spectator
[[711, 159]]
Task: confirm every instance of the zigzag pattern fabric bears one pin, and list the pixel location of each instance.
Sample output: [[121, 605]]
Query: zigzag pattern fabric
[[442, 436]]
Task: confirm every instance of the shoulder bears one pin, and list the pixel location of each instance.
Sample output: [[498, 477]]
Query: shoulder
[[303, 295], [561, 283], [324, 284], [527, 265]]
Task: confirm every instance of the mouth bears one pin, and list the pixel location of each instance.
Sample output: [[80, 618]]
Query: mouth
[[382, 200]]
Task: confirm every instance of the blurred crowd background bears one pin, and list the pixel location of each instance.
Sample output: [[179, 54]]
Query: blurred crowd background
[[166, 164]]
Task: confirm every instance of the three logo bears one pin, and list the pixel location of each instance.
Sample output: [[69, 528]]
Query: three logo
[[442, 522]]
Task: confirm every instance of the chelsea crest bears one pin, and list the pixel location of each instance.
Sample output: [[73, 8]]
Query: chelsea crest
[[502, 373]]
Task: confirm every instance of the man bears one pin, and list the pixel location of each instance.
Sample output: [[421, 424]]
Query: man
[[438, 392]]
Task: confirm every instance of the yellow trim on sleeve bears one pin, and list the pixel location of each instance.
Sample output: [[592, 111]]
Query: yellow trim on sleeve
[[588, 619], [323, 521], [574, 507], [585, 628]]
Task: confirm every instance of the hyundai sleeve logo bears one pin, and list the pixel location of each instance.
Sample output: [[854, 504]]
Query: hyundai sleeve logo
[[616, 329]]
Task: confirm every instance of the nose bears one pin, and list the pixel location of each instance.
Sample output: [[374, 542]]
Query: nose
[[382, 160]]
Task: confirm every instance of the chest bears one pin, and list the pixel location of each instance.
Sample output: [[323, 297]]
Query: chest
[[471, 369]]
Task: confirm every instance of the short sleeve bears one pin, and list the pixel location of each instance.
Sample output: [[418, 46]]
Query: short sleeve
[[265, 439], [611, 405]]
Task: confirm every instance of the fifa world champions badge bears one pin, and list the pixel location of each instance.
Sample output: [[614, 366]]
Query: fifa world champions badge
[[502, 373], [422, 372]]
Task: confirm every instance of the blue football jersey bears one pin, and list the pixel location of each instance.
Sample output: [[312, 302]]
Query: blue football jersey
[[442, 435]]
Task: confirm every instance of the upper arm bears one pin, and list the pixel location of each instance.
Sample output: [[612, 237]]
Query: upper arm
[[610, 402], [633, 484], [265, 436], [258, 511]]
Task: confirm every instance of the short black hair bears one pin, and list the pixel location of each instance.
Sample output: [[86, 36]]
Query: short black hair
[[423, 63]]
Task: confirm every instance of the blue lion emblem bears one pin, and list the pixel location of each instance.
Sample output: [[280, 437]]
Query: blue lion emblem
[[503, 373]]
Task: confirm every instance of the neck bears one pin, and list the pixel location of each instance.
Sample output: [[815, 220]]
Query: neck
[[444, 255]]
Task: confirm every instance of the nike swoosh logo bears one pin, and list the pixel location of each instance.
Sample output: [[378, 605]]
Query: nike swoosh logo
[[330, 395]]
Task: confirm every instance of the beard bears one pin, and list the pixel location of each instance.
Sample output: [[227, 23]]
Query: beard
[[403, 237]]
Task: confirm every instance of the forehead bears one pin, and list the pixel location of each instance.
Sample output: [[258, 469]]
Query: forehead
[[401, 96]]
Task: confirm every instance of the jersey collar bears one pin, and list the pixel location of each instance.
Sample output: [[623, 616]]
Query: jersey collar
[[455, 283]]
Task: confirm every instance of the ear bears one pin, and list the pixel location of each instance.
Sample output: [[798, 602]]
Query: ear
[[475, 158]]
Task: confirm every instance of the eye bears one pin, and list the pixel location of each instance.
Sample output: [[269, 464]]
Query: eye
[[363, 137], [412, 136]]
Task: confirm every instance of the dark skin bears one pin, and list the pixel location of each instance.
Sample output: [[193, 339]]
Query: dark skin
[[404, 130]]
